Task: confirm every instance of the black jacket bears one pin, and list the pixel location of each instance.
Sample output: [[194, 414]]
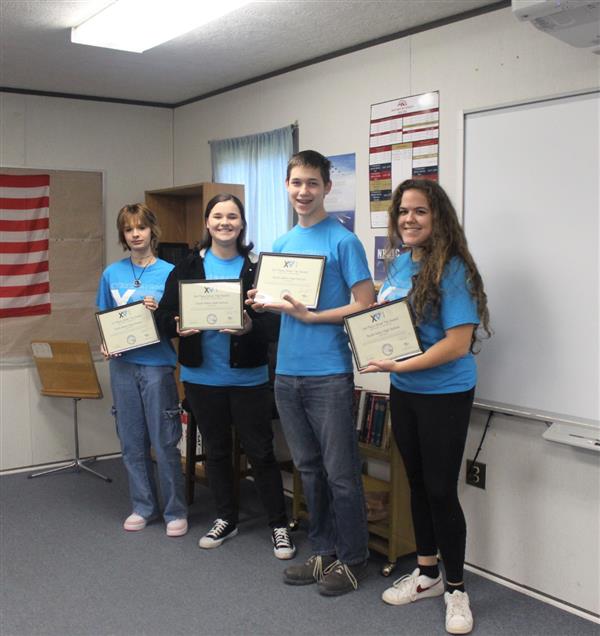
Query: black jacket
[[247, 351]]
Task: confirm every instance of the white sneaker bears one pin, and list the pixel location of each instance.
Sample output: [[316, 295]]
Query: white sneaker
[[413, 587], [459, 619]]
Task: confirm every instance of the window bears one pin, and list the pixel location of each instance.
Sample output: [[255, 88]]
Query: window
[[259, 162]]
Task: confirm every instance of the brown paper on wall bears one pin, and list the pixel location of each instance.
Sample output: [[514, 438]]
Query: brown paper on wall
[[76, 258]]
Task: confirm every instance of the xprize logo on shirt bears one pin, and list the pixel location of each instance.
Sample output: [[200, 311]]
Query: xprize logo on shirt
[[124, 299]]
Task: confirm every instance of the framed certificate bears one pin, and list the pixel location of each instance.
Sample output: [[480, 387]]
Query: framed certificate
[[211, 304], [299, 275], [127, 327], [385, 332]]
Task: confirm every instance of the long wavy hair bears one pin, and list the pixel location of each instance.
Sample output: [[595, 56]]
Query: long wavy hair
[[242, 248], [446, 241]]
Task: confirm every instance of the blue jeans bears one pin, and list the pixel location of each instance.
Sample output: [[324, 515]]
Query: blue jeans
[[147, 414], [316, 418]]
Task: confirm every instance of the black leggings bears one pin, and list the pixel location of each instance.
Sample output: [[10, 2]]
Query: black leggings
[[431, 431]]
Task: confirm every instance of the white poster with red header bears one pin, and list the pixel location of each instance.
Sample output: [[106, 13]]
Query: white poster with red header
[[403, 144]]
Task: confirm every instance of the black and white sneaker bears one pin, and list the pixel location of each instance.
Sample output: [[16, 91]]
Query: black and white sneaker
[[221, 531], [283, 546]]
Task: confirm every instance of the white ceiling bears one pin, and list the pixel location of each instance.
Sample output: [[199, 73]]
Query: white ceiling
[[260, 39]]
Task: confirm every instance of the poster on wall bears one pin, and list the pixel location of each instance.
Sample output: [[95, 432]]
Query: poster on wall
[[379, 256], [341, 201], [403, 144]]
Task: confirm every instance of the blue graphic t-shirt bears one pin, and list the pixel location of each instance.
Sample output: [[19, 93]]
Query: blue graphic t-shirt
[[321, 349], [458, 307], [215, 369], [116, 289]]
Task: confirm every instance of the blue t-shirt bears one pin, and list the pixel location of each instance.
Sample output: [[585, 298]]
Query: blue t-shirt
[[458, 307], [215, 369], [321, 349], [116, 289]]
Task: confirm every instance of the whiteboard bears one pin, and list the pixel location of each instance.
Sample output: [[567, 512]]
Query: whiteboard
[[531, 207]]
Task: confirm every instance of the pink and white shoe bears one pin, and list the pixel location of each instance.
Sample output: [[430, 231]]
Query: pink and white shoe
[[177, 528], [134, 522]]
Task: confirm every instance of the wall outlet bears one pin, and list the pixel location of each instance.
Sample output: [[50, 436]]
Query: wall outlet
[[475, 474]]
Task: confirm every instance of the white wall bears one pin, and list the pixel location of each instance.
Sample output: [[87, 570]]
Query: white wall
[[132, 145], [537, 522]]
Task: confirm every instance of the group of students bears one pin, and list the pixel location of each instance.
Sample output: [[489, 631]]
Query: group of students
[[226, 379]]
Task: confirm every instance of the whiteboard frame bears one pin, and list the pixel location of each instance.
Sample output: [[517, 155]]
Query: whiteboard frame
[[488, 405], [462, 116]]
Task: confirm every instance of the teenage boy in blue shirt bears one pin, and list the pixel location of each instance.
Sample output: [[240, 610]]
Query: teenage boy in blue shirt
[[314, 384]]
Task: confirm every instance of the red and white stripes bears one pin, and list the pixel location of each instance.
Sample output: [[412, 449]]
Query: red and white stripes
[[24, 234]]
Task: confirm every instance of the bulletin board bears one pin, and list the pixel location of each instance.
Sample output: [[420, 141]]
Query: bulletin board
[[76, 260]]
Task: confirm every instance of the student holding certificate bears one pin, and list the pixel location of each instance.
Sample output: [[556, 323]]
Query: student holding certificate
[[314, 383], [431, 395], [146, 404], [225, 374]]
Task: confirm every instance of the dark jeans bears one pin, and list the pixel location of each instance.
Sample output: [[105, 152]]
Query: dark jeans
[[431, 431], [316, 417], [216, 409]]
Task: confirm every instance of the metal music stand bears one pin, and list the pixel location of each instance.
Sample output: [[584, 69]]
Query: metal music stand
[[67, 370]]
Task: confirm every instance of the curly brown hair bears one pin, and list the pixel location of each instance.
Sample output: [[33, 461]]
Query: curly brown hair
[[447, 240]]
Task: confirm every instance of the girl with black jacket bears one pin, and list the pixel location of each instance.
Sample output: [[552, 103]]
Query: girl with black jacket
[[226, 378]]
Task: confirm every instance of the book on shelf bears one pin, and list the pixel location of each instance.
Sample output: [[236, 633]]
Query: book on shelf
[[378, 420], [360, 411], [373, 419], [387, 429]]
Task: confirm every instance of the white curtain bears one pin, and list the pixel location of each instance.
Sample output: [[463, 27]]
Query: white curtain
[[259, 162]]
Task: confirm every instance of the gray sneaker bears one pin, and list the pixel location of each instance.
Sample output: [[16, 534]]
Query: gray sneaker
[[340, 578], [309, 572]]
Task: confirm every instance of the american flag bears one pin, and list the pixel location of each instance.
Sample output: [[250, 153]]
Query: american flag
[[24, 233]]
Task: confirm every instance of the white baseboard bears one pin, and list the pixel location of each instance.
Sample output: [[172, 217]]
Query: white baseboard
[[540, 596]]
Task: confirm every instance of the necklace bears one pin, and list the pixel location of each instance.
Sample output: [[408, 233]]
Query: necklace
[[137, 279]]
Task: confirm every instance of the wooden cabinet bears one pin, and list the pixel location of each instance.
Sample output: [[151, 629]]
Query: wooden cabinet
[[180, 210]]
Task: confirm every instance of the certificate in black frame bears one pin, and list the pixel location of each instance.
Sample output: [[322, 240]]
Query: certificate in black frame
[[289, 261], [409, 348]]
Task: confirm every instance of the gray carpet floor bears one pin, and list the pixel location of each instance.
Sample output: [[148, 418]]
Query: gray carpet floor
[[68, 569]]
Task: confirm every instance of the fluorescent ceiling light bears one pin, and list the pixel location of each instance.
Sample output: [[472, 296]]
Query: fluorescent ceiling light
[[139, 25]]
